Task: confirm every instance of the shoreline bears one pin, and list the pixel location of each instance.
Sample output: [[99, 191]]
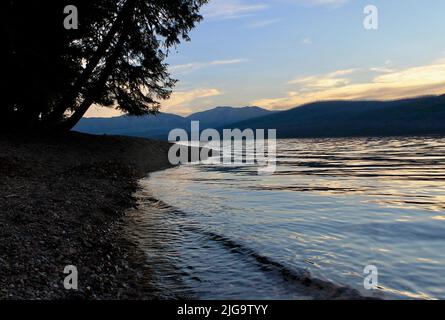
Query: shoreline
[[154, 235], [67, 201], [63, 203]]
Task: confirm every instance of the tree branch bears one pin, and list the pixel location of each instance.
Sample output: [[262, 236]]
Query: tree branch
[[110, 63], [70, 99]]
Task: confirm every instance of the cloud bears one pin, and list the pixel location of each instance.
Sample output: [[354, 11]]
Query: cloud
[[329, 3], [181, 101], [387, 68], [408, 82], [231, 9], [96, 111], [193, 66], [306, 41], [382, 70], [262, 23], [234, 9], [333, 79]]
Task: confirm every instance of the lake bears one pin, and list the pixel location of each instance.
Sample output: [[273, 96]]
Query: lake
[[333, 207]]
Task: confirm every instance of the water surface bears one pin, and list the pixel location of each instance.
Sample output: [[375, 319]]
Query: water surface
[[333, 207]]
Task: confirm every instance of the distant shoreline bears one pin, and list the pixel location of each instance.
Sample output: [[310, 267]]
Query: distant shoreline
[[63, 200], [395, 136]]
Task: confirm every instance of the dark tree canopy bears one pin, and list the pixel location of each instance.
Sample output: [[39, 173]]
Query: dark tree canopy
[[116, 57]]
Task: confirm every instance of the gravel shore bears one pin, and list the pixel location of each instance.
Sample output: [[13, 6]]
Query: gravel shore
[[62, 201]]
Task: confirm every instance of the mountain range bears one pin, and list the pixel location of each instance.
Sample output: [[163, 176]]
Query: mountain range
[[415, 116], [159, 126]]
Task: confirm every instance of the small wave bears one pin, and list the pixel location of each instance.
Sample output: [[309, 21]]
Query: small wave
[[304, 284], [309, 286]]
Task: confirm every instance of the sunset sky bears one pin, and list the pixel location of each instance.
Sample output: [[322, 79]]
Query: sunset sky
[[279, 54]]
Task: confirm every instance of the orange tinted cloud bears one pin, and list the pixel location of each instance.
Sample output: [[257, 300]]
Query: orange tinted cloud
[[393, 84]]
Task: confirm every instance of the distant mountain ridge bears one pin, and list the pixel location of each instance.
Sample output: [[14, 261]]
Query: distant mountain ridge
[[124, 125], [415, 116], [158, 126], [221, 116]]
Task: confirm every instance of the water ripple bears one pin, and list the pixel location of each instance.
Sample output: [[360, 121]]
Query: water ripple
[[333, 207]]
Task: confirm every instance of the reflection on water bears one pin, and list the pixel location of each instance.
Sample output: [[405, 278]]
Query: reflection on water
[[333, 207]]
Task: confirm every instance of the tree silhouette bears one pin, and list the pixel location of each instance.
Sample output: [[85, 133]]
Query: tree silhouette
[[115, 58]]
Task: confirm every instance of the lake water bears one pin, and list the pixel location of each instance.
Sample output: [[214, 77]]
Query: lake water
[[333, 207]]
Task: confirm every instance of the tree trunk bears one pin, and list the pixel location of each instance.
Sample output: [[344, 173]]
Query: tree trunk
[[69, 123], [70, 99]]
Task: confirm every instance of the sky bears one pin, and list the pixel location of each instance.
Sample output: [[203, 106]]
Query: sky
[[281, 54]]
